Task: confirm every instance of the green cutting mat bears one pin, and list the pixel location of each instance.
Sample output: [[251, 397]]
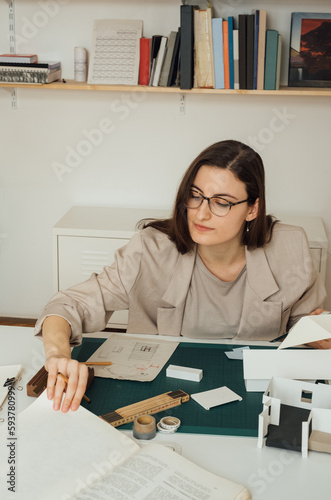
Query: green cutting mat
[[239, 418]]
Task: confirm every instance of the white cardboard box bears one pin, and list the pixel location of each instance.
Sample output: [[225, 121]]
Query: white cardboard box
[[184, 373], [260, 365]]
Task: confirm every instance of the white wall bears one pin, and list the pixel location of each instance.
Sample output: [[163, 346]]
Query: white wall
[[139, 163]]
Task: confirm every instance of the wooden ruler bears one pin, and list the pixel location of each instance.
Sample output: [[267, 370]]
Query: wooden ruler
[[146, 407]]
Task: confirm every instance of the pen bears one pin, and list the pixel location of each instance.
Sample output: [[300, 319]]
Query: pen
[[67, 380]]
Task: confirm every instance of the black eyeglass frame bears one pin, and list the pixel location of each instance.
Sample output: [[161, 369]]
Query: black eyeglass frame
[[229, 203]]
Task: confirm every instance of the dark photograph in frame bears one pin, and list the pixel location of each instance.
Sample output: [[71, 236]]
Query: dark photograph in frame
[[310, 50]]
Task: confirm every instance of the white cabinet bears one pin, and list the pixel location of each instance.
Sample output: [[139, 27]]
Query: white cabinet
[[86, 238], [317, 238]]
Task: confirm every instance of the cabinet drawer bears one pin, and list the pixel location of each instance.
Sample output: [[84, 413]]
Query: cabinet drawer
[[79, 257]]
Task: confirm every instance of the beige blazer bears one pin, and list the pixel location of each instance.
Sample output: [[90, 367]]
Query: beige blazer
[[151, 279]]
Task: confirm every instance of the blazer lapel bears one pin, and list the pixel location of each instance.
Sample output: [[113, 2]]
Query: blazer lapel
[[259, 317], [175, 296]]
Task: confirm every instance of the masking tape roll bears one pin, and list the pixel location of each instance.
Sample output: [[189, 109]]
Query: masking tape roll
[[144, 427], [168, 425]]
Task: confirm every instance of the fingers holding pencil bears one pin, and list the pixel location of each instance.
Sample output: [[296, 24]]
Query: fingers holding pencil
[[72, 382]]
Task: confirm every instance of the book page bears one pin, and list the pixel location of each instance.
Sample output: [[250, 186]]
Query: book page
[[157, 472], [52, 455]]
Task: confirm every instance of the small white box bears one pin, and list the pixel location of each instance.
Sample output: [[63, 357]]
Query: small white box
[[185, 373]]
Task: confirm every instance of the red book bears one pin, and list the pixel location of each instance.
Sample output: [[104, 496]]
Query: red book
[[144, 63], [226, 55]]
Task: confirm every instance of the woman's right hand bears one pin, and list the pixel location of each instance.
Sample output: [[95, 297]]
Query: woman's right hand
[[56, 336], [77, 375]]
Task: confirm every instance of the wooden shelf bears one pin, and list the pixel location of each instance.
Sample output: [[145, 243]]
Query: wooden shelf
[[72, 85]]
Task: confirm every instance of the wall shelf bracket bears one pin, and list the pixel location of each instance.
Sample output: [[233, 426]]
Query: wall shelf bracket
[[182, 105], [11, 18]]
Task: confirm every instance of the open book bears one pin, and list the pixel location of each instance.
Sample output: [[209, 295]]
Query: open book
[[78, 456]]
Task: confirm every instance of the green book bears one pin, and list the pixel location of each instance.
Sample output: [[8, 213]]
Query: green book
[[270, 68]]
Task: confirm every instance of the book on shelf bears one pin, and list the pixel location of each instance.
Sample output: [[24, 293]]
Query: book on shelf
[[250, 29], [230, 33], [279, 60], [163, 82], [226, 54], [271, 59], [256, 46], [236, 59], [159, 61], [144, 61], [203, 49], [102, 463], [15, 58], [261, 49], [242, 25], [155, 45], [217, 27], [49, 65], [310, 54], [173, 77], [35, 73], [186, 60]]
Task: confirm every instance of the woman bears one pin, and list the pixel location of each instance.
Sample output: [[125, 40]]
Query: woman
[[218, 268]]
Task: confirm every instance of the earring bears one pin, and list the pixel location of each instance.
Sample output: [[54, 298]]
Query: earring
[[247, 226]]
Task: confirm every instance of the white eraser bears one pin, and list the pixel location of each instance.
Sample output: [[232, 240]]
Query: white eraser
[[185, 373]]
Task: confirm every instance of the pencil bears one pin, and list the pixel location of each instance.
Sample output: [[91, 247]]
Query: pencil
[[67, 380], [97, 363]]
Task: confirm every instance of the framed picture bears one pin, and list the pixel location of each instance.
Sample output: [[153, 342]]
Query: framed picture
[[310, 50]]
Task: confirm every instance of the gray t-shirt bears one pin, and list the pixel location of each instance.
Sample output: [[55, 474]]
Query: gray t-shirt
[[213, 307]]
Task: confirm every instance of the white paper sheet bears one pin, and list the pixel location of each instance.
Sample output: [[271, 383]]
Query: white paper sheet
[[215, 397], [132, 359], [114, 56], [308, 329], [236, 353]]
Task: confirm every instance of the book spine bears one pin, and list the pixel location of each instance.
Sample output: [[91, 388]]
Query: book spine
[[256, 46], [236, 59], [242, 51], [174, 66], [231, 70], [203, 49], [159, 61], [226, 54], [250, 51], [186, 47], [279, 60], [270, 70], [167, 60], [144, 64], [261, 54], [217, 26]]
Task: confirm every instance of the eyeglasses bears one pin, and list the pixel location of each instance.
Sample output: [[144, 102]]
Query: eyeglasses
[[217, 205]]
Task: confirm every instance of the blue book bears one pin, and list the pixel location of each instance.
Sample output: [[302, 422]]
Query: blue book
[[256, 46], [217, 25], [231, 66]]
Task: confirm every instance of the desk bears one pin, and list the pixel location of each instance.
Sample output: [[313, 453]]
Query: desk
[[269, 474]]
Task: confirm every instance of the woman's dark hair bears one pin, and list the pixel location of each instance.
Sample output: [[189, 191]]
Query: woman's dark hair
[[247, 166]]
